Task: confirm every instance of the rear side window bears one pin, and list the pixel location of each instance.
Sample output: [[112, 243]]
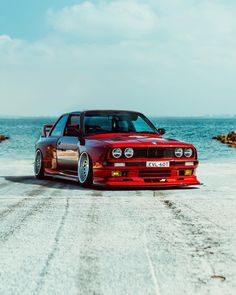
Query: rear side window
[[60, 126]]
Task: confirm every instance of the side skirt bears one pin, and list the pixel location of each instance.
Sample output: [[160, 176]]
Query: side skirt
[[63, 175]]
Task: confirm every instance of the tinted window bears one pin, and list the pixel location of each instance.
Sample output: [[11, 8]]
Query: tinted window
[[60, 126], [73, 126], [74, 120]]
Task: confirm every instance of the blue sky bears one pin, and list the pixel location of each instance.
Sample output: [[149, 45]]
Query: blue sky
[[26, 18], [162, 57]]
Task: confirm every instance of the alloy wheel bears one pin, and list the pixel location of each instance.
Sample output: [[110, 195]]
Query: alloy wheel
[[83, 167], [38, 163]]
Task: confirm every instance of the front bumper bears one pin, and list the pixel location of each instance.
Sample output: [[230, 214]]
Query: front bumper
[[140, 176]]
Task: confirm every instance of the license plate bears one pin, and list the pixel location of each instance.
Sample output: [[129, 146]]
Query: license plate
[[157, 164]]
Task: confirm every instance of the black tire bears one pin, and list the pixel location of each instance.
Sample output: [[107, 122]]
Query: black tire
[[39, 165], [85, 170]]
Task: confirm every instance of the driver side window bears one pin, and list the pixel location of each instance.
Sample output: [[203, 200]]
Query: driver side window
[[73, 126], [59, 128]]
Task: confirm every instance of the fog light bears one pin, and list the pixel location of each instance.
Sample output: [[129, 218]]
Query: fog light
[[116, 173], [188, 172]]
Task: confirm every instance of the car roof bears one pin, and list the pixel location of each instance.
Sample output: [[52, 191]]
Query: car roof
[[102, 111]]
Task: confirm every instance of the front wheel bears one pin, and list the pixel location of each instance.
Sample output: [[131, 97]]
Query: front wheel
[[85, 170], [38, 165]]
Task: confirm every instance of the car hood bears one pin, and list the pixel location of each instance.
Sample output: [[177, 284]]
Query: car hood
[[139, 140]]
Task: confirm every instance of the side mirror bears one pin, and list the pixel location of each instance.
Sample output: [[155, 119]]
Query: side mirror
[[161, 131], [46, 130]]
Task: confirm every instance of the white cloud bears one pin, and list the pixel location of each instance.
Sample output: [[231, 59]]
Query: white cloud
[[116, 19], [22, 53], [163, 57], [5, 39]]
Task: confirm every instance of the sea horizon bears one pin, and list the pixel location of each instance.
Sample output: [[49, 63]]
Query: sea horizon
[[25, 131], [223, 116]]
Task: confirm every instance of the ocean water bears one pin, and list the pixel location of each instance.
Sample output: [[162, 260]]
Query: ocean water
[[24, 132]]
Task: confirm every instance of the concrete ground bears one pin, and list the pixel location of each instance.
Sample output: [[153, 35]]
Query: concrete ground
[[57, 238]]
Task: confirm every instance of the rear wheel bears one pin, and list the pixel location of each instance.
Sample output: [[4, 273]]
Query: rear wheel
[[38, 165], [85, 170]]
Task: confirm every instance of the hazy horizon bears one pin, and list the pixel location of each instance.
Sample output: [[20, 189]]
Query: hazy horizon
[[171, 58], [223, 116]]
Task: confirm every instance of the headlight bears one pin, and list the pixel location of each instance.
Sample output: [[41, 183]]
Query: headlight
[[117, 153], [129, 153], [188, 153], [179, 152]]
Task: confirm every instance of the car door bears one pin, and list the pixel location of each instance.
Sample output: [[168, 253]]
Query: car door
[[52, 141], [67, 145]]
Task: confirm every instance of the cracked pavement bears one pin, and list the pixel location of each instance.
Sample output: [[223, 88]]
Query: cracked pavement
[[57, 238]]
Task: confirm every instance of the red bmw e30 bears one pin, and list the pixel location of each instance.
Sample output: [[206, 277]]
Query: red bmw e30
[[113, 148]]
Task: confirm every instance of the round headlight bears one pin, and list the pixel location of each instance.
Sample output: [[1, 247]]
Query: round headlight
[[117, 153], [188, 153], [179, 152], [129, 153]]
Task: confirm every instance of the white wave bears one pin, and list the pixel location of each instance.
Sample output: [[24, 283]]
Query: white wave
[[14, 167]]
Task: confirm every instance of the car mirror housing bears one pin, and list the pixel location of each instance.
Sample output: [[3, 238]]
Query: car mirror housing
[[161, 131]]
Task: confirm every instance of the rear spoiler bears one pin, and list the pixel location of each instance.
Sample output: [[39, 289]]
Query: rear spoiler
[[46, 130]]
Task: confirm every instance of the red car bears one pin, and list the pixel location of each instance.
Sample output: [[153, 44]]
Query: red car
[[113, 148]]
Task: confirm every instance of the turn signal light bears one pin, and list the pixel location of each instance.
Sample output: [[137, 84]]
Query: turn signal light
[[116, 173], [188, 172]]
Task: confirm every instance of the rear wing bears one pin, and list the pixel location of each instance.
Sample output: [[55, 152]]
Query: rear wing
[[46, 130]]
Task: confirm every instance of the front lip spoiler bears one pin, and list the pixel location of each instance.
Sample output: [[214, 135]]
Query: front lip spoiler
[[147, 187], [142, 183]]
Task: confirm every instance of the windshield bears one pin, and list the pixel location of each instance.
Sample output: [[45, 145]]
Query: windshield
[[117, 122]]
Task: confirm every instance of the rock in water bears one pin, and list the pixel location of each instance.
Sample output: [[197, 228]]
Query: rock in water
[[229, 138], [3, 137]]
